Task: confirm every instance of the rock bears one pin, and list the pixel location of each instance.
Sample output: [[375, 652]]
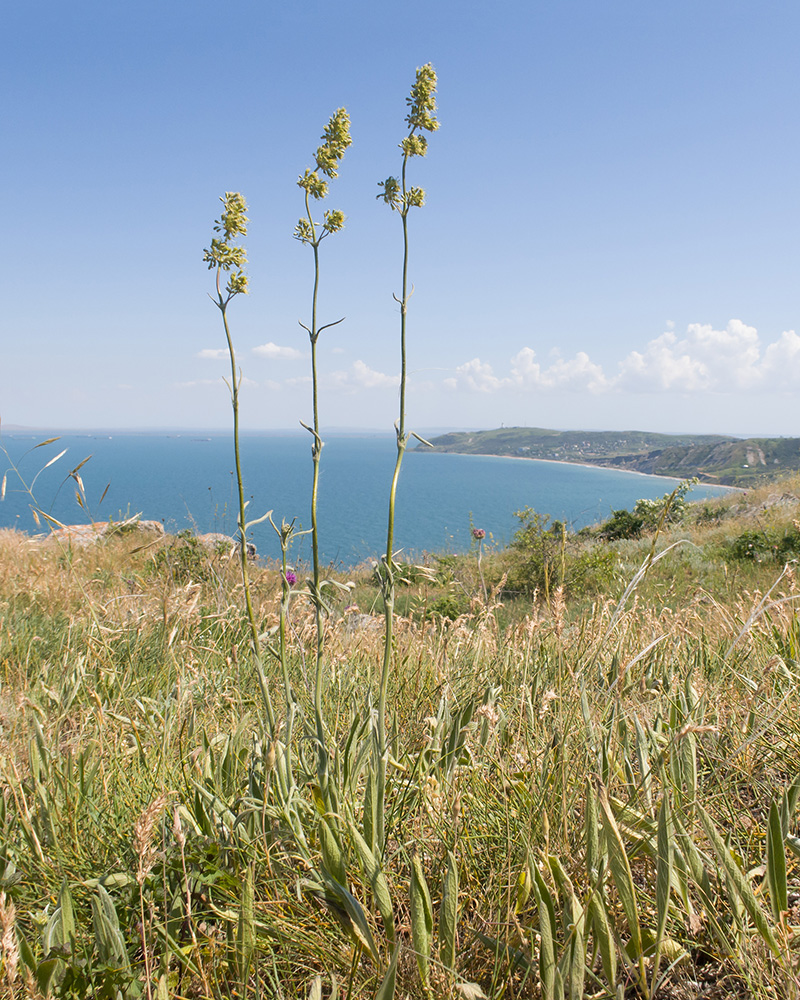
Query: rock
[[215, 541], [84, 535]]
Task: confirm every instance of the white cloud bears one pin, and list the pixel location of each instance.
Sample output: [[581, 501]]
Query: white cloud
[[578, 373], [278, 353], [662, 366], [367, 377], [212, 353], [196, 382], [476, 376], [575, 374], [358, 376], [704, 360], [217, 382], [781, 367], [361, 376]]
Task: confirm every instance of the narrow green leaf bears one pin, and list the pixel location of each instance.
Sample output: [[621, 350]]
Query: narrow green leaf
[[663, 877], [560, 877], [776, 864], [604, 939], [739, 882], [786, 814], [689, 858], [547, 933], [792, 795], [373, 873], [246, 930], [576, 925], [448, 914], [524, 886], [359, 924], [58, 941], [387, 987], [688, 752], [421, 917], [107, 935], [332, 855], [592, 824], [66, 929], [643, 759], [45, 972], [25, 951], [621, 873]]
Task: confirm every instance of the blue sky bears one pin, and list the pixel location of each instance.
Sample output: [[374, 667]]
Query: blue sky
[[609, 240]]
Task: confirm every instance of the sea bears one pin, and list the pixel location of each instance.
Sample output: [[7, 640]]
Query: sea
[[187, 481]]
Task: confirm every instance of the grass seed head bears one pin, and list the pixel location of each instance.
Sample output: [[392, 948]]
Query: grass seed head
[[143, 830], [8, 938]]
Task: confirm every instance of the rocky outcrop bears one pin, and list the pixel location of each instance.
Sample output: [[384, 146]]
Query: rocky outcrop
[[215, 541], [83, 535]]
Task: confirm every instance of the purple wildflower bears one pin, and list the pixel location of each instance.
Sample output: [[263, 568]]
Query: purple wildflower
[[478, 534], [291, 577]]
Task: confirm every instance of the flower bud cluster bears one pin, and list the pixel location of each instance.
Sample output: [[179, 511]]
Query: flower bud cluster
[[313, 183], [334, 221], [422, 102], [222, 255], [391, 191], [336, 139], [421, 116]]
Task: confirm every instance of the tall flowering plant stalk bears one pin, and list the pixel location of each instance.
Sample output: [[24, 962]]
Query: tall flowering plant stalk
[[401, 198], [478, 535], [335, 141], [227, 259]]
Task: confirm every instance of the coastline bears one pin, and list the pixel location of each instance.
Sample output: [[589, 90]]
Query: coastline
[[584, 465]]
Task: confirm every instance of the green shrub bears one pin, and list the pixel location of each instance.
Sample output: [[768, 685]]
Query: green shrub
[[538, 552], [450, 606], [622, 524], [763, 546], [184, 559], [545, 556], [647, 515]]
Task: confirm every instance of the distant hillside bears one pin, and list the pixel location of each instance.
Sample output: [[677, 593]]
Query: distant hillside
[[711, 457]]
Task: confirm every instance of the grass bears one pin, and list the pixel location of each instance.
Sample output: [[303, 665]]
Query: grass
[[573, 788]]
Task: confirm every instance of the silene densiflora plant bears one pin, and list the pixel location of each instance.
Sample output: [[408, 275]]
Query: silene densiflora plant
[[336, 830], [335, 141], [228, 259], [401, 197]]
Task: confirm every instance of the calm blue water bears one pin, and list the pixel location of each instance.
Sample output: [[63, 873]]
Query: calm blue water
[[188, 482]]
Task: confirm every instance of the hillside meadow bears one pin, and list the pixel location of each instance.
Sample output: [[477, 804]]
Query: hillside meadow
[[591, 787]]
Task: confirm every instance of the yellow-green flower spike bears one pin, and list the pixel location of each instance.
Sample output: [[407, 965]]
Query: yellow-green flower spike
[[422, 102]]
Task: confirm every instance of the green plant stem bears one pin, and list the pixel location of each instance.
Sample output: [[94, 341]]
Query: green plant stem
[[480, 571], [283, 657], [316, 451], [222, 303], [388, 585]]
